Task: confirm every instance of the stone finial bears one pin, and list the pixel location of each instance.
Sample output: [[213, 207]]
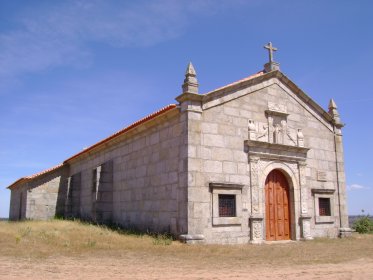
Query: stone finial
[[190, 82], [190, 70], [271, 65], [332, 105], [333, 112]]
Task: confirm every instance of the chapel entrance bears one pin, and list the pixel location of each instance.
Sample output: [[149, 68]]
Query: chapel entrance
[[277, 201]]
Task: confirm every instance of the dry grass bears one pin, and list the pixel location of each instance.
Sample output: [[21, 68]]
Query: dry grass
[[36, 240]]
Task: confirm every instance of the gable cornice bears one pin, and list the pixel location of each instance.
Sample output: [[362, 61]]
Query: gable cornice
[[304, 97], [254, 82]]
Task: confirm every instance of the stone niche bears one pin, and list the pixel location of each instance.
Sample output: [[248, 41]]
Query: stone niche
[[276, 145]]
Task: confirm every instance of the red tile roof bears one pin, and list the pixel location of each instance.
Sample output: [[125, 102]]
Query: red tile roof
[[120, 132], [28, 178], [124, 130]]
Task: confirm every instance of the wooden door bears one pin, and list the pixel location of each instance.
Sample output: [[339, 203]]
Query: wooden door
[[277, 207]]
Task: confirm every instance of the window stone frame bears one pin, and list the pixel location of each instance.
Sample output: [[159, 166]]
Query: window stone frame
[[324, 193], [230, 189]]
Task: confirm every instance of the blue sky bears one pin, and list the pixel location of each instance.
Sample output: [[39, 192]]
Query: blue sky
[[73, 72]]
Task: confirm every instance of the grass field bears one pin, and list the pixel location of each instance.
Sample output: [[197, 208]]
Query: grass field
[[54, 243]]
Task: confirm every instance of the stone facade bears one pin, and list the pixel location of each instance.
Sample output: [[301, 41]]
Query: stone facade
[[174, 170]]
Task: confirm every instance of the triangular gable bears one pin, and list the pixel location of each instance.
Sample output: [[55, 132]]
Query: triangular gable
[[259, 81]]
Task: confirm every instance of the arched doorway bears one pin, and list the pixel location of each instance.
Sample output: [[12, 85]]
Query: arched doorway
[[277, 201]]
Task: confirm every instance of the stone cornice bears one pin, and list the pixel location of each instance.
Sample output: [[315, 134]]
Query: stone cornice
[[230, 186], [276, 151], [257, 79], [323, 191], [189, 96]]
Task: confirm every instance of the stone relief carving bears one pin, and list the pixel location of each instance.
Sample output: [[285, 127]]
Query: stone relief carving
[[254, 171], [303, 194], [254, 168], [277, 129], [257, 230], [254, 190], [302, 173], [262, 134]]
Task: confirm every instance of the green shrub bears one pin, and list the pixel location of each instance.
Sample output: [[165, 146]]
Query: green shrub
[[363, 225]]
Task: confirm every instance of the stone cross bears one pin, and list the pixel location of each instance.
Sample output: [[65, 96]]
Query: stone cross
[[270, 49]]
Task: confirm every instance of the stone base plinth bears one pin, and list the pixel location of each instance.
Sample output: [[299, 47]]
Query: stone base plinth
[[305, 222], [345, 232], [256, 229], [192, 238]]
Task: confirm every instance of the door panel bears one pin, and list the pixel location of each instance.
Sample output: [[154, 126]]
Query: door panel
[[277, 207]]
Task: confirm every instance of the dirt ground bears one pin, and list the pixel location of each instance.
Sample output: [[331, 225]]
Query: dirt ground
[[135, 267], [73, 250]]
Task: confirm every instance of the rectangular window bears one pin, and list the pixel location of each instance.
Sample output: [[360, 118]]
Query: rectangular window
[[227, 205], [324, 206]]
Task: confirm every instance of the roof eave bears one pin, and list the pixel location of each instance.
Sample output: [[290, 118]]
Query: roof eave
[[16, 183]]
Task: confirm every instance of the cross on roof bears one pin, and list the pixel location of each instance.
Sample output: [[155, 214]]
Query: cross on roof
[[270, 49]]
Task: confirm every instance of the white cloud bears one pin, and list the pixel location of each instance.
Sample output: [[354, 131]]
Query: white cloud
[[59, 33], [356, 187]]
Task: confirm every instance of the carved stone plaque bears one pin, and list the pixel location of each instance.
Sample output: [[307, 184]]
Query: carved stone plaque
[[321, 176], [274, 107]]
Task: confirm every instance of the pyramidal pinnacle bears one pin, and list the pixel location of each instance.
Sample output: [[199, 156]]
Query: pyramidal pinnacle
[[190, 70], [190, 82], [332, 104], [333, 112]]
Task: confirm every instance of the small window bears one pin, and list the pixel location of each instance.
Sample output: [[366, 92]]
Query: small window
[[227, 205], [324, 206]]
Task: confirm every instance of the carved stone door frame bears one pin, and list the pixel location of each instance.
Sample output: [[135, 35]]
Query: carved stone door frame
[[263, 157]]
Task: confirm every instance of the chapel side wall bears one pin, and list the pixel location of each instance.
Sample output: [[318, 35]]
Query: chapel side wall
[[44, 196], [221, 157], [149, 192]]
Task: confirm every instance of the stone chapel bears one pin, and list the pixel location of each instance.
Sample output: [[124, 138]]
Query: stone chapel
[[253, 161]]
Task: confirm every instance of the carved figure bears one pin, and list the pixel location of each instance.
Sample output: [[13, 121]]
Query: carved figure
[[300, 138], [263, 132], [277, 134], [252, 130]]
